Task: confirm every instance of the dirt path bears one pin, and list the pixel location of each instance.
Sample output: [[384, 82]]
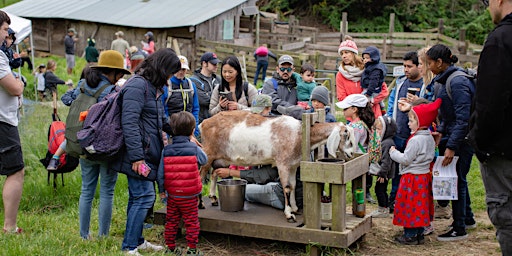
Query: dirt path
[[482, 241]]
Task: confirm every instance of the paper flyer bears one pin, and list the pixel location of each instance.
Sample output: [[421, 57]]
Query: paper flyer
[[444, 182]]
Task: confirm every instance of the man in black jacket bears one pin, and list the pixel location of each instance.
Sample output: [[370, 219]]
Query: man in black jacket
[[492, 118], [205, 80]]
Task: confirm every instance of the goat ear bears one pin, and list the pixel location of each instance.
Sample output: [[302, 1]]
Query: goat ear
[[333, 141]]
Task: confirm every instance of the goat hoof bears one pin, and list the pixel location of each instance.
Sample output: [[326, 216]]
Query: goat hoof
[[214, 201]]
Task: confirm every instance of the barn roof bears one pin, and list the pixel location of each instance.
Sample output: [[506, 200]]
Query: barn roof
[[131, 13]]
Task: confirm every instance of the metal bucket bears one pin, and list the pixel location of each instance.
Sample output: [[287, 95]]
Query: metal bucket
[[231, 195]]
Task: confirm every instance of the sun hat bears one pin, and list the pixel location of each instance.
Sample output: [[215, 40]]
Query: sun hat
[[72, 30], [184, 62], [285, 59], [210, 57], [348, 45], [260, 103], [353, 100], [426, 113], [111, 59], [321, 93]]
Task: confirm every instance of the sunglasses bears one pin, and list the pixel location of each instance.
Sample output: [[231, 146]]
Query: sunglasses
[[486, 3], [286, 69]]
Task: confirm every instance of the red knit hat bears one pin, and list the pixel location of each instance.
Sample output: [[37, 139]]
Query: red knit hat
[[348, 45], [426, 113]]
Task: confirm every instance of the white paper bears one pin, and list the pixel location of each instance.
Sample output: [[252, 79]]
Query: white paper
[[144, 44], [444, 183]]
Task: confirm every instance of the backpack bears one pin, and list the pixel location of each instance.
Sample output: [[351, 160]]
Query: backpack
[[262, 51], [101, 137], [190, 90], [55, 138], [75, 120], [469, 73]]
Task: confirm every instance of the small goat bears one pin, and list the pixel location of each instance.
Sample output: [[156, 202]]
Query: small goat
[[243, 138]]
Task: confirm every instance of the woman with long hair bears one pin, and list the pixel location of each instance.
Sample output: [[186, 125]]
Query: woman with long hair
[[232, 93], [149, 45], [143, 120]]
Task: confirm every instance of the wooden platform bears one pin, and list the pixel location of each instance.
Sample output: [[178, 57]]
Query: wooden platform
[[265, 222]]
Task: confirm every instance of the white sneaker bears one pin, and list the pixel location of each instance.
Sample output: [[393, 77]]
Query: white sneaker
[[133, 252], [381, 212], [149, 246]]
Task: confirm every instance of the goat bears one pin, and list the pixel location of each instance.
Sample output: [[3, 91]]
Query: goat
[[243, 138]]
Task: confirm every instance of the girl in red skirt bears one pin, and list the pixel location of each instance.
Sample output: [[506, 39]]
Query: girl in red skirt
[[414, 201]]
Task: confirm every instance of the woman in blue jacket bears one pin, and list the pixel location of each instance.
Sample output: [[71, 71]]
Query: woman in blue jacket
[[143, 120], [454, 123]]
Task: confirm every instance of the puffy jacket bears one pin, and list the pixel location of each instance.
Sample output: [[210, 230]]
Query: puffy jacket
[[142, 120], [492, 116], [204, 92], [454, 113], [374, 72], [286, 93], [181, 172]]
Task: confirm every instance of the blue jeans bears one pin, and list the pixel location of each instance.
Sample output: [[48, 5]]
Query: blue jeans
[[400, 146], [261, 65], [91, 171], [263, 194], [462, 206], [141, 198]]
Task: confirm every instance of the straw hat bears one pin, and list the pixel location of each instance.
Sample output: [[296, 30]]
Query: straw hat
[[111, 59]]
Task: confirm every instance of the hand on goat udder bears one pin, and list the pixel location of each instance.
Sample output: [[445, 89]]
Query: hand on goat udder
[[225, 172]]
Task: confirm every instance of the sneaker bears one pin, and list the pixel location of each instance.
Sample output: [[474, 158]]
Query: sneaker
[[415, 240], [53, 164], [194, 251], [381, 212], [452, 235], [471, 224], [370, 199], [175, 251], [428, 230], [133, 252], [442, 212], [149, 246]]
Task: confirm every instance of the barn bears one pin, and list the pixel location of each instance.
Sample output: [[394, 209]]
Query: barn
[[175, 24]]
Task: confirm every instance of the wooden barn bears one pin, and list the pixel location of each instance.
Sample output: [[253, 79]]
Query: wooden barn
[[174, 23]]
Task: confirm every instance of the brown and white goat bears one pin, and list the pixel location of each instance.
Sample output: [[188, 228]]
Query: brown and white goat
[[243, 138]]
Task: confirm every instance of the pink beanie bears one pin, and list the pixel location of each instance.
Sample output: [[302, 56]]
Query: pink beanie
[[348, 45]]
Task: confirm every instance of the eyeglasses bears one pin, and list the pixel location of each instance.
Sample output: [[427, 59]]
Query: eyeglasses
[[286, 69], [486, 3]]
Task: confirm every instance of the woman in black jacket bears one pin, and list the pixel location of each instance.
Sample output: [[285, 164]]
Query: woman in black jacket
[[143, 120]]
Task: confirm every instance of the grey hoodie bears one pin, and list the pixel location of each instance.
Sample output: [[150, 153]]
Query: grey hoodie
[[419, 153]]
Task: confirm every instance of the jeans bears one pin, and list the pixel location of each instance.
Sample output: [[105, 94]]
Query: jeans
[[91, 171], [461, 206], [263, 194], [140, 200], [400, 146], [497, 178], [261, 65]]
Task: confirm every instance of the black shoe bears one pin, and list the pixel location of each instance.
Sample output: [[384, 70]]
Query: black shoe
[[470, 224], [452, 235], [415, 240], [53, 164]]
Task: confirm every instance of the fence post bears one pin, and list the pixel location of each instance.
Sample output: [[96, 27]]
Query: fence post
[[462, 38], [391, 23], [440, 26], [343, 26], [258, 29], [291, 24]]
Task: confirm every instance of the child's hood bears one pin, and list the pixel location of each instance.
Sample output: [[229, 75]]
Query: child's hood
[[388, 127], [373, 52]]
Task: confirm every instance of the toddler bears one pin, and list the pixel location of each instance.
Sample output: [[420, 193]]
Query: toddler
[[39, 77], [373, 74], [305, 85], [414, 201]]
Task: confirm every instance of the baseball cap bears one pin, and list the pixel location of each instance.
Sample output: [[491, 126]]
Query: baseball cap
[[210, 57], [260, 102], [119, 33], [353, 100], [285, 59], [184, 62], [149, 33], [72, 30]]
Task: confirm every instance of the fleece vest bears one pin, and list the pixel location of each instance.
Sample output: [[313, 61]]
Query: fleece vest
[[181, 174]]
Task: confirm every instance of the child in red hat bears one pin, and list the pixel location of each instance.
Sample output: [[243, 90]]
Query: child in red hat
[[413, 205]]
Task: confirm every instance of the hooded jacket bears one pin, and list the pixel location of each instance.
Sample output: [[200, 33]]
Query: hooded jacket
[[387, 165], [91, 53], [374, 72], [492, 116]]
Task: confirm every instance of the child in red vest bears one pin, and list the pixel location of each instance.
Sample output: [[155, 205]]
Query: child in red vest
[[178, 175]]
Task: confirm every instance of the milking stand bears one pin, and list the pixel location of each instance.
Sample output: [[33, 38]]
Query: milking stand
[[260, 221]]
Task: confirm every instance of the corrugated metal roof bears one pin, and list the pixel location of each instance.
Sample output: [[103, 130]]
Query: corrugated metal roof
[[132, 13]]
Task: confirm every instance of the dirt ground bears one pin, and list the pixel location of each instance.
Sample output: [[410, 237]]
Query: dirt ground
[[481, 241]]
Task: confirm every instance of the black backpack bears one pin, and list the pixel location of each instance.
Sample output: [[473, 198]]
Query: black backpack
[[76, 117]]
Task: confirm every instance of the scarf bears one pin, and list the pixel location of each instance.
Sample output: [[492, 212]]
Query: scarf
[[351, 73]]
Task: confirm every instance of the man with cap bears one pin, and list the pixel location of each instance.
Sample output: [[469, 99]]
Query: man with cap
[[319, 100], [205, 80], [182, 94], [121, 45], [69, 48], [282, 87]]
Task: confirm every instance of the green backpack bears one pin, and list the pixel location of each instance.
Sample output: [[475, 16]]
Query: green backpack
[[73, 123]]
